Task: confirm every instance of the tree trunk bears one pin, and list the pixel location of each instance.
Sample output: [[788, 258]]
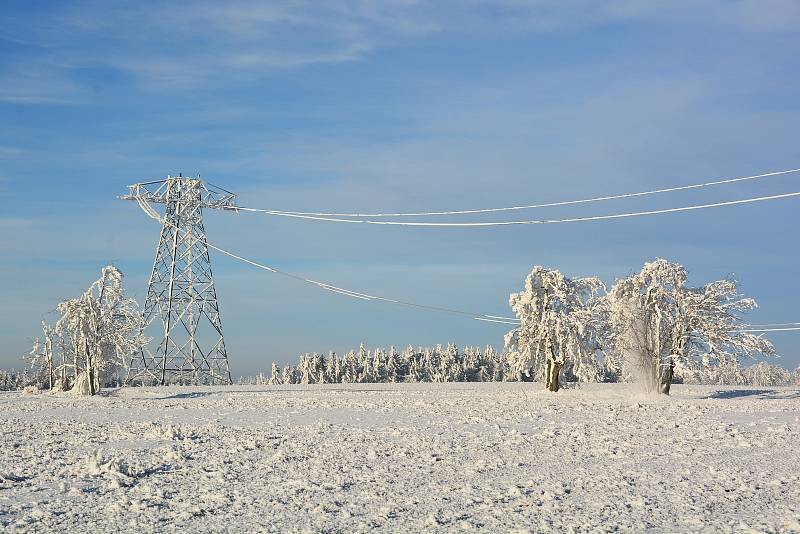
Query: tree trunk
[[553, 374], [667, 373], [90, 371], [90, 376], [63, 371], [553, 368], [75, 362]]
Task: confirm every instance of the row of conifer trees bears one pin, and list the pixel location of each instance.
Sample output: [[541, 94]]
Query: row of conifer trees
[[446, 363], [443, 363]]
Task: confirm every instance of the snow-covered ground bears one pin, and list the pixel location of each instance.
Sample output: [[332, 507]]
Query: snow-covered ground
[[402, 457]]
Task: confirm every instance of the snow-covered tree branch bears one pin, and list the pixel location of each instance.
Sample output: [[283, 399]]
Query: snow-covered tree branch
[[93, 334], [656, 322], [556, 316]]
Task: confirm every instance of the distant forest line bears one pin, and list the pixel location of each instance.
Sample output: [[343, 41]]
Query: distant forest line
[[448, 363], [442, 363]]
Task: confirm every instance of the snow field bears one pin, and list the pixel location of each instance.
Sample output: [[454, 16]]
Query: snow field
[[505, 457]]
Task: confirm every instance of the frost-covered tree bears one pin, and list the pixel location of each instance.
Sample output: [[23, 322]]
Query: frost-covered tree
[[394, 368], [795, 378], [556, 317], [655, 322], [11, 380], [377, 366], [41, 356], [94, 333], [304, 370], [331, 372], [519, 365], [274, 375], [416, 372], [287, 376], [726, 373], [764, 374]]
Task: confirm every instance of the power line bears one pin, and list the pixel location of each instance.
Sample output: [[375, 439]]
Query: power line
[[152, 213], [366, 296], [550, 204], [771, 329], [512, 223]]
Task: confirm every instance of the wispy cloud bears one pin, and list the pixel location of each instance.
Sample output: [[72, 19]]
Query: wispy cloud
[[164, 46]]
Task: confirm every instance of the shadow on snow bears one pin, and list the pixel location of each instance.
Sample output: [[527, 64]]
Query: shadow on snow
[[760, 393]]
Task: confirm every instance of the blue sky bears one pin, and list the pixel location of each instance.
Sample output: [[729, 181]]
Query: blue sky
[[402, 106]]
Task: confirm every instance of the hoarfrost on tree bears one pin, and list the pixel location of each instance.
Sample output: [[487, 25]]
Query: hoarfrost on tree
[[94, 333], [764, 374], [557, 326], [656, 322]]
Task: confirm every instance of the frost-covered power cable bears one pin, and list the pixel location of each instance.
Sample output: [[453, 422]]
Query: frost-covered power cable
[[550, 204], [366, 296], [153, 214], [772, 327], [786, 329], [512, 223]]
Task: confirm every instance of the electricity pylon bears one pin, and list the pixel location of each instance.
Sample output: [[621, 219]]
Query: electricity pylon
[[181, 288]]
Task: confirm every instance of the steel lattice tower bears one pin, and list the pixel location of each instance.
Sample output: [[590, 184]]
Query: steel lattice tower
[[191, 346]]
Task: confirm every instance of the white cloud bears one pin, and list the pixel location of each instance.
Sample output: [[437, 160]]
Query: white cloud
[[163, 46]]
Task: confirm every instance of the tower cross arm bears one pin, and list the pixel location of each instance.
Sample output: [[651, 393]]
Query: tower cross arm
[[165, 191]]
